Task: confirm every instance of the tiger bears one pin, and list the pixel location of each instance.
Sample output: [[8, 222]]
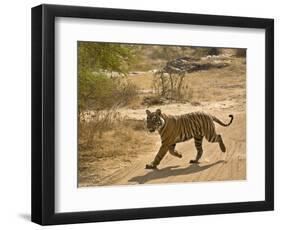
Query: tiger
[[180, 128]]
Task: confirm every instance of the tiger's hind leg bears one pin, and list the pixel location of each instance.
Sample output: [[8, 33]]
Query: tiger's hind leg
[[174, 152], [198, 144], [217, 138]]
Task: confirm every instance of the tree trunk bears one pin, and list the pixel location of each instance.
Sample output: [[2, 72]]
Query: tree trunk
[[180, 84], [171, 84]]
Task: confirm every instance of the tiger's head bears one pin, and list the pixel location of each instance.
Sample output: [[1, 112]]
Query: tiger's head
[[154, 121]]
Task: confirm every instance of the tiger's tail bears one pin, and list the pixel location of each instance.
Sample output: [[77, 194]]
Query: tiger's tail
[[221, 123]]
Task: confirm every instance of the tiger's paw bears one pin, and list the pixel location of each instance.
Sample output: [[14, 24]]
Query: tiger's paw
[[150, 166], [193, 162]]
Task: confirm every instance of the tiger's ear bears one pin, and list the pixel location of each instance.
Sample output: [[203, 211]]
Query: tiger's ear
[[148, 112], [158, 112]]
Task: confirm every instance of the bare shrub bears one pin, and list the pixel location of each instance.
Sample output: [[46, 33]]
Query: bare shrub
[[169, 81], [100, 122], [126, 92], [160, 83], [168, 86], [186, 93]]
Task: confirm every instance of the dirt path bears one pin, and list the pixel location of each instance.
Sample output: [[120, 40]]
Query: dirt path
[[214, 165]]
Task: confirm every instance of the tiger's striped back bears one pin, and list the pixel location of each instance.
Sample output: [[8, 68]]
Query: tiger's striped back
[[184, 127]]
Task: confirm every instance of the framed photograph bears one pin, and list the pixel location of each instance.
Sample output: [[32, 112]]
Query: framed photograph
[[142, 114]]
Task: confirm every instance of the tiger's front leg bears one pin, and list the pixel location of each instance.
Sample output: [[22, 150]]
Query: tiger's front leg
[[161, 153]]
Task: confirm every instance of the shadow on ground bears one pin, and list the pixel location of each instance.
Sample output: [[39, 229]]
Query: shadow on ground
[[172, 171]]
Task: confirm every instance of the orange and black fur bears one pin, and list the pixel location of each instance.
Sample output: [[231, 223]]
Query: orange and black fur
[[175, 129]]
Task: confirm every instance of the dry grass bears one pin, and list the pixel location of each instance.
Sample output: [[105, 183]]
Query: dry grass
[[105, 139], [116, 147], [95, 125], [220, 84]]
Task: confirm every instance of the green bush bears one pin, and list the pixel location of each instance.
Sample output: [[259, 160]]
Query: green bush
[[97, 91]]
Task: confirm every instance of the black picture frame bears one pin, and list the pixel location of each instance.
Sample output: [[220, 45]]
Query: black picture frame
[[43, 114]]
